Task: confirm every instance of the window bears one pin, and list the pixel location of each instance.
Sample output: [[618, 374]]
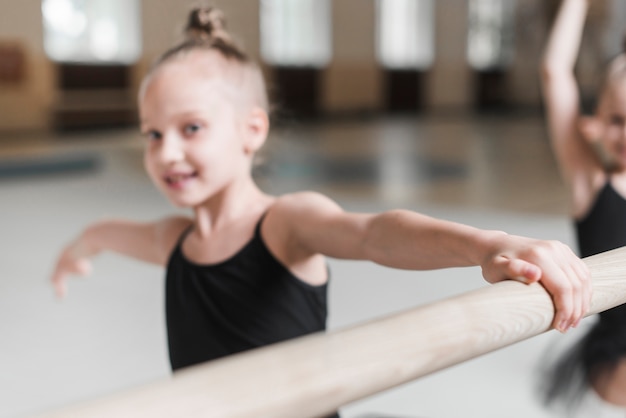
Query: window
[[405, 33], [491, 30], [296, 33], [92, 31]]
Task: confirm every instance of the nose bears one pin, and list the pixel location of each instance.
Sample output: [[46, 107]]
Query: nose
[[171, 149]]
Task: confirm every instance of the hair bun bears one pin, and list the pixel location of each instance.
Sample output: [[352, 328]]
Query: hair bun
[[207, 23]]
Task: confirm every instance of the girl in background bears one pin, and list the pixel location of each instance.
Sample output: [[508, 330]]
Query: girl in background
[[591, 155]]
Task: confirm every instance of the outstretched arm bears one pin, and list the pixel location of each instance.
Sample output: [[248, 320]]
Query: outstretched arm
[[150, 242], [560, 89], [312, 224]]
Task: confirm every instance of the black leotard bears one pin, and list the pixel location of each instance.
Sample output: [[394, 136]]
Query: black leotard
[[247, 301], [602, 229]]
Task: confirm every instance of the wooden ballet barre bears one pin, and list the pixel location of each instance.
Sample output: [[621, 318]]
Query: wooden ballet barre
[[315, 375]]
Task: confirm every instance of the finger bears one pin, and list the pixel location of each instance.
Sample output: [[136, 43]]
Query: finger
[[575, 282], [560, 279], [577, 274], [562, 296], [61, 289], [566, 298], [523, 271], [564, 309], [82, 267], [58, 283]]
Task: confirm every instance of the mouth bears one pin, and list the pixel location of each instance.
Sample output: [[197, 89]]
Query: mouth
[[179, 180]]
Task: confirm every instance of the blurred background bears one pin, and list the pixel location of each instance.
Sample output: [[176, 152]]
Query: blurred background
[[431, 105]]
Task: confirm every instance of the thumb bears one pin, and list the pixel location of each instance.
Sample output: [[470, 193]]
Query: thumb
[[83, 267], [523, 271]]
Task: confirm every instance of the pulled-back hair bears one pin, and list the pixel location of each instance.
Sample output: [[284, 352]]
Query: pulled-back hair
[[616, 68], [206, 30]]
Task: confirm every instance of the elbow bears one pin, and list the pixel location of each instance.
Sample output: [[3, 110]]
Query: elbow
[[551, 70], [368, 248], [377, 244], [547, 71]]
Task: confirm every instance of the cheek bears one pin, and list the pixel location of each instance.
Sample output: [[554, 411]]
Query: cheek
[[213, 153], [612, 134], [149, 166]]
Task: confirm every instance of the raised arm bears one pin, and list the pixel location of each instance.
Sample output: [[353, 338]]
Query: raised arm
[[149, 242], [560, 89], [312, 224]]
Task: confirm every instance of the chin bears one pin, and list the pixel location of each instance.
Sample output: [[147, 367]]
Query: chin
[[182, 205], [181, 202]]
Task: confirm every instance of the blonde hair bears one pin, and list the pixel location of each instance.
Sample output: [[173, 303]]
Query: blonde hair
[[206, 30], [615, 71]]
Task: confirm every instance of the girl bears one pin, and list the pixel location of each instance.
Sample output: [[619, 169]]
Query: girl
[[591, 154], [248, 269]]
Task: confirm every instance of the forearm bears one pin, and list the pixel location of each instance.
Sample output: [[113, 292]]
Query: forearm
[[564, 41], [119, 236], [408, 240]]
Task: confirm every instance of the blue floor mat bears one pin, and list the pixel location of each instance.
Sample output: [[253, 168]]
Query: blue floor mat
[[48, 165]]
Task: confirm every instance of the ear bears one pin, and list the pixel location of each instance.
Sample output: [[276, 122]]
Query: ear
[[256, 129], [590, 128]]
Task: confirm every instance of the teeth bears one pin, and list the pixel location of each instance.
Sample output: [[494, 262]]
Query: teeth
[[173, 178], [176, 178]]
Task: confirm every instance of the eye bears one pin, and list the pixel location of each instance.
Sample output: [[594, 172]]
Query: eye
[[152, 135], [191, 128], [617, 120]]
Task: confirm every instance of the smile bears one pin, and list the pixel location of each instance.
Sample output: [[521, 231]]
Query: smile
[[179, 180]]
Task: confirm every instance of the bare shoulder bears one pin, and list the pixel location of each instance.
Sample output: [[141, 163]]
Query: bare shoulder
[[303, 203], [290, 222], [293, 214]]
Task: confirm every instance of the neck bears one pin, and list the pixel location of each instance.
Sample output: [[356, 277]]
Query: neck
[[236, 202]]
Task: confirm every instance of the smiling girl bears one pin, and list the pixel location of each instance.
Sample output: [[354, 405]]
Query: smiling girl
[[249, 269]]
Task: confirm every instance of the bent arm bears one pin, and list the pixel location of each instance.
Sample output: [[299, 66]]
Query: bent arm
[[149, 242], [560, 89], [565, 37]]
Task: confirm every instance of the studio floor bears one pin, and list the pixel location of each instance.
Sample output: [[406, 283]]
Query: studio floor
[[108, 335]]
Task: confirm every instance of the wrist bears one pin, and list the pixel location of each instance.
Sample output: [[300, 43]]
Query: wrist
[[488, 243], [85, 244]]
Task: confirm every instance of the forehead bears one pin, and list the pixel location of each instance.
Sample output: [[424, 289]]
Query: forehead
[[613, 97], [196, 76]]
